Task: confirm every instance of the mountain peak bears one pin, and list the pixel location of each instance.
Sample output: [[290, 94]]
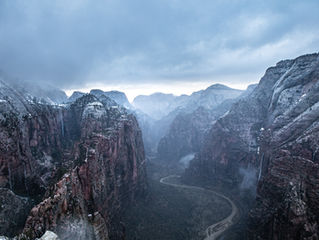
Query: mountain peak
[[219, 86]]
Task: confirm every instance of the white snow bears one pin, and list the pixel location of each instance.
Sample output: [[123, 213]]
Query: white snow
[[61, 105], [49, 236], [224, 114], [46, 160], [304, 95], [278, 86], [95, 109], [95, 104], [49, 100], [3, 101]]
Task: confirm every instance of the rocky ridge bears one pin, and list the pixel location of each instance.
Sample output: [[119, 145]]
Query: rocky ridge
[[82, 163], [159, 105], [271, 136], [157, 112], [117, 96], [188, 130]]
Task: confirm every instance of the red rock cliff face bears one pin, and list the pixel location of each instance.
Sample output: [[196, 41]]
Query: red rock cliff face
[[288, 188], [30, 149], [232, 140], [274, 131], [93, 144], [88, 201]]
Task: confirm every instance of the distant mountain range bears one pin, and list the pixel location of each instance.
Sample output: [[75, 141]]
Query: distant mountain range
[[159, 105], [157, 111], [83, 156]]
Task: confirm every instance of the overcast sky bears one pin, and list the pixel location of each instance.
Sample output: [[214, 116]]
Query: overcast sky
[[141, 46]]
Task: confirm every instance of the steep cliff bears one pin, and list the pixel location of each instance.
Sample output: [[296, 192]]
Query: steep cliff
[[163, 109], [272, 137], [13, 211], [31, 142], [187, 132], [288, 189], [84, 163], [40, 92], [117, 96], [159, 105], [75, 95]]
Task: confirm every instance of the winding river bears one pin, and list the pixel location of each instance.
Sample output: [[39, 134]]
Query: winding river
[[216, 229]]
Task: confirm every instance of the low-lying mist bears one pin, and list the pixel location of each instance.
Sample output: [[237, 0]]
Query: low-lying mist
[[249, 179], [184, 161]]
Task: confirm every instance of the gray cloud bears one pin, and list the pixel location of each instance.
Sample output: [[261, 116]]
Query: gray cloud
[[71, 43]]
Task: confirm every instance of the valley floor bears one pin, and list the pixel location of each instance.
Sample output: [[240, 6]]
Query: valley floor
[[215, 230], [177, 213]]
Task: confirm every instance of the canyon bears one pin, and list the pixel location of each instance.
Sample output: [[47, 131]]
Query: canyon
[[271, 135], [74, 167], [86, 166]]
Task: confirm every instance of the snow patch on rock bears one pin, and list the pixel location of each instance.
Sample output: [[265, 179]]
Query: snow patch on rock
[[94, 109], [49, 236]]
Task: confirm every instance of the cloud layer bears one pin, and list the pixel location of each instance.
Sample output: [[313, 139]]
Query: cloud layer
[[112, 42]]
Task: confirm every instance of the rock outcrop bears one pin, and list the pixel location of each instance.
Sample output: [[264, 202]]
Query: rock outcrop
[[14, 210], [117, 96], [75, 95], [83, 164], [288, 189], [186, 134], [159, 105], [162, 109], [31, 142], [189, 128], [36, 92], [273, 135], [49, 236]]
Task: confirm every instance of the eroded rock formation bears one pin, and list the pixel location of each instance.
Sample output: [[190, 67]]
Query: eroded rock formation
[[188, 130], [83, 163], [274, 133], [186, 134]]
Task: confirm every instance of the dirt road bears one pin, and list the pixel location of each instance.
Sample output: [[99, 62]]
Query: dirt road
[[216, 229]]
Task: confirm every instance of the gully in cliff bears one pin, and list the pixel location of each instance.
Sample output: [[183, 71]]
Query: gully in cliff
[[83, 161]]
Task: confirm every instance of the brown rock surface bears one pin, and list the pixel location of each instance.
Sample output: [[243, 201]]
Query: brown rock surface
[[84, 162], [273, 131]]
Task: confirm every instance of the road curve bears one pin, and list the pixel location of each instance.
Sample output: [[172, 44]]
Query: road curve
[[216, 229]]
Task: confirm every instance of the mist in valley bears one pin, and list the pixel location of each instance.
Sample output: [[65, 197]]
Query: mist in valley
[[162, 120]]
